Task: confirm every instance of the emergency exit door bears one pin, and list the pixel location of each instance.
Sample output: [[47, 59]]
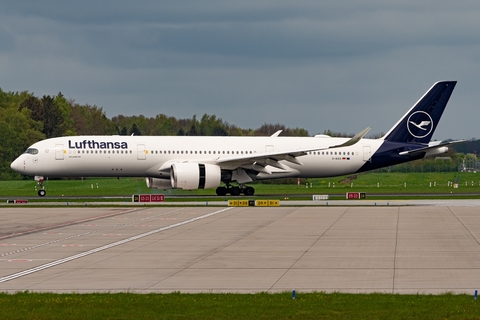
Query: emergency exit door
[[59, 152], [141, 152], [367, 153]]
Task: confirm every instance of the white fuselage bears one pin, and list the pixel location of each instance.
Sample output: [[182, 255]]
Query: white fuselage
[[145, 156]]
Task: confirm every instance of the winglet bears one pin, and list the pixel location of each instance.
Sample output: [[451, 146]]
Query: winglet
[[355, 139], [276, 134]]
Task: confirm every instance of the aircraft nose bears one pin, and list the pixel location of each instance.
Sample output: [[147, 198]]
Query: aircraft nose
[[17, 165]]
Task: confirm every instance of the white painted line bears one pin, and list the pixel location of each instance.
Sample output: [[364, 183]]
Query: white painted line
[[16, 234], [108, 246], [85, 233]]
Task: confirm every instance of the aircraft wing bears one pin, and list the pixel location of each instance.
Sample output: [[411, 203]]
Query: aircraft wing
[[431, 147], [258, 162]]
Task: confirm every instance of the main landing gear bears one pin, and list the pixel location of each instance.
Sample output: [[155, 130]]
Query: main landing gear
[[235, 190]]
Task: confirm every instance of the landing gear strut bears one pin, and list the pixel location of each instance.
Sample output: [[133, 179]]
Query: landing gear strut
[[235, 190], [41, 192]]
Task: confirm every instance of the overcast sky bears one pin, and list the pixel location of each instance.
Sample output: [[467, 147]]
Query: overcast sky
[[338, 65]]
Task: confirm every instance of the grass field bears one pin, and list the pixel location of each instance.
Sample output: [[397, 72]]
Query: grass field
[[372, 183], [237, 306]]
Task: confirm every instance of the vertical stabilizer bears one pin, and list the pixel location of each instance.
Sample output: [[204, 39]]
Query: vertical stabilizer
[[419, 123]]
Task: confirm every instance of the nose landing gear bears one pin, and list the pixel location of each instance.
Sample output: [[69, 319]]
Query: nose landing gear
[[42, 192]]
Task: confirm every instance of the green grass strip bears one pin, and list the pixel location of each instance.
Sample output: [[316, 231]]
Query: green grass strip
[[27, 305], [371, 183]]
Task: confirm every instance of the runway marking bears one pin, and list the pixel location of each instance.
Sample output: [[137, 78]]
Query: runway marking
[[64, 224], [86, 233], [108, 246]]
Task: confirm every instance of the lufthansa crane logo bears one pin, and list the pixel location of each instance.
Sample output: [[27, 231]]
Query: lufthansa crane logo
[[420, 124]]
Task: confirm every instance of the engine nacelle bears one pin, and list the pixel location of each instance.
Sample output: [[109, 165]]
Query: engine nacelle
[[192, 176], [434, 152], [156, 183]]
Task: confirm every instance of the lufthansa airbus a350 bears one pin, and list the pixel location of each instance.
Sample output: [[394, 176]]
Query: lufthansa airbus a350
[[230, 163]]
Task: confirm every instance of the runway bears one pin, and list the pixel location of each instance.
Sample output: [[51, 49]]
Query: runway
[[143, 249]]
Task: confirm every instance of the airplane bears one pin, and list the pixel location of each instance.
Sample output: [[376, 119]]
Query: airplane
[[229, 163]]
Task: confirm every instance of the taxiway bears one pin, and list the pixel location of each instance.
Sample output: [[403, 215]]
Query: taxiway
[[142, 249]]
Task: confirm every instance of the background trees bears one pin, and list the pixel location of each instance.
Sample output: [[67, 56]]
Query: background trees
[[25, 119], [18, 130]]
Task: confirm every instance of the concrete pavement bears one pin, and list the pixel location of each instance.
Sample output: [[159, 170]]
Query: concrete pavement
[[359, 249]]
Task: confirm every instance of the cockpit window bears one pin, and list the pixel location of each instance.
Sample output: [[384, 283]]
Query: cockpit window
[[31, 151]]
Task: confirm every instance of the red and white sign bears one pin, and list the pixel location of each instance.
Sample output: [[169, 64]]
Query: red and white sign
[[148, 198], [356, 195], [17, 201]]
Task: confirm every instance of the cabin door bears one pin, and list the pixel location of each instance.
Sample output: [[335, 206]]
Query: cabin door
[[367, 153], [59, 152], [141, 152]]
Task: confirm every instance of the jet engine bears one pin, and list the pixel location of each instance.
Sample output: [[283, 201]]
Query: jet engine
[[192, 176], [156, 183]]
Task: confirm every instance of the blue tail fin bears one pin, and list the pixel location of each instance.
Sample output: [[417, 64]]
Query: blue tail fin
[[419, 123]]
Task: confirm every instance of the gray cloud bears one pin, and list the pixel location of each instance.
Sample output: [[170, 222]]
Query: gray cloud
[[339, 66]]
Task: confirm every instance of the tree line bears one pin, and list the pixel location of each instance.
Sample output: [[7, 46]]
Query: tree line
[[26, 119]]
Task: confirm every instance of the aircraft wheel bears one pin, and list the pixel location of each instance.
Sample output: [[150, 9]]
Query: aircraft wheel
[[235, 191], [249, 191], [221, 191], [42, 193]]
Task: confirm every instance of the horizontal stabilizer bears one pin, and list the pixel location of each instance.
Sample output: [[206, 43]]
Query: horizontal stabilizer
[[415, 152]]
